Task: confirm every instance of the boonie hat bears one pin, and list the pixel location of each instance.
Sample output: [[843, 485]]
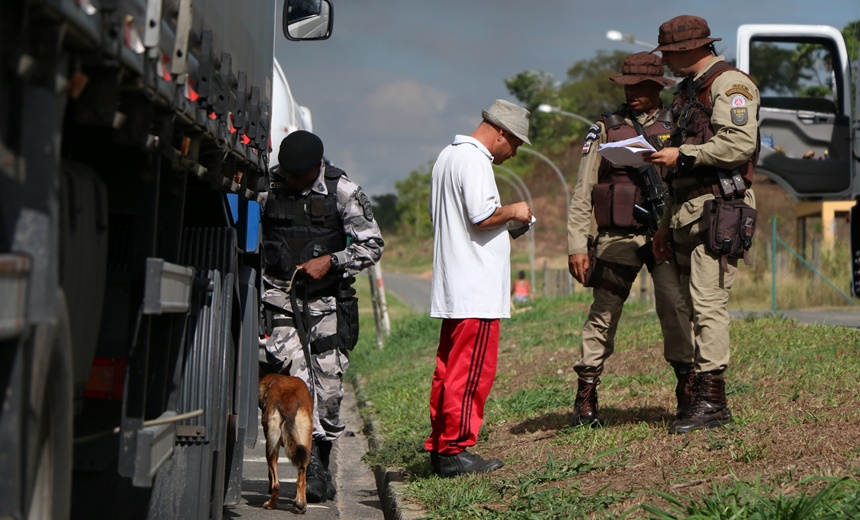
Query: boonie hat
[[509, 116], [642, 66], [300, 152], [683, 33]]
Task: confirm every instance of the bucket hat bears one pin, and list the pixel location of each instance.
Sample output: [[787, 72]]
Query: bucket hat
[[683, 33], [509, 116], [642, 66]]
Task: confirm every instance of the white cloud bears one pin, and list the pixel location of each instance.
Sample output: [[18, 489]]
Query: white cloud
[[403, 108]]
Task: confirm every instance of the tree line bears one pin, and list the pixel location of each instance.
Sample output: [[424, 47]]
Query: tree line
[[804, 70]]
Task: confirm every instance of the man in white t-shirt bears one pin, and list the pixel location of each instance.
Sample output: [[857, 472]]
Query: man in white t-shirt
[[471, 284]]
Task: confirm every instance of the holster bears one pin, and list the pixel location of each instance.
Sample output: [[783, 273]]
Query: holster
[[596, 267], [646, 254], [592, 261], [346, 310]]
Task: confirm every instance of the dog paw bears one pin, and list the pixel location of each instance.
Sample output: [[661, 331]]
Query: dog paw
[[270, 504]]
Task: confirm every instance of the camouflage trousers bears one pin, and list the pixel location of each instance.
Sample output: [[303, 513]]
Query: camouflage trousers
[[284, 351]]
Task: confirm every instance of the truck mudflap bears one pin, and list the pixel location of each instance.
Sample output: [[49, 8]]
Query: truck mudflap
[[14, 281], [855, 249]]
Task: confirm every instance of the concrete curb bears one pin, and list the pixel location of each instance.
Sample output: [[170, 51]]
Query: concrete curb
[[390, 482]]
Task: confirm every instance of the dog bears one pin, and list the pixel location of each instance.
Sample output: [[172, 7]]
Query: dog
[[287, 416]]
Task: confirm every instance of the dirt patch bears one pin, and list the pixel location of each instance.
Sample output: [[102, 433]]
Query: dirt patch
[[800, 436]]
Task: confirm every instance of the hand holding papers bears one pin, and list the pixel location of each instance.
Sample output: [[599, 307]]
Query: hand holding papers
[[627, 152]]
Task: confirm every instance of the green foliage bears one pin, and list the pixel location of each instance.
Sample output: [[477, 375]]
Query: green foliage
[[775, 69], [588, 90], [840, 498], [413, 201], [385, 211]]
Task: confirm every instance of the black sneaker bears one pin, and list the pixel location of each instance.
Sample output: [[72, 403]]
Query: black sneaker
[[462, 463]]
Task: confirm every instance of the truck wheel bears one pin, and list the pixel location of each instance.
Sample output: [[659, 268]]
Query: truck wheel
[[50, 464]]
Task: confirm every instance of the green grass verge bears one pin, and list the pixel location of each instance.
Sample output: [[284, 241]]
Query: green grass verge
[[792, 451]]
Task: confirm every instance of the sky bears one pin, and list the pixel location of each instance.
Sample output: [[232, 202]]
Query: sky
[[399, 78]]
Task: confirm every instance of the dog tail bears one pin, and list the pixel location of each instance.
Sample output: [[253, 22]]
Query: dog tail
[[298, 428]]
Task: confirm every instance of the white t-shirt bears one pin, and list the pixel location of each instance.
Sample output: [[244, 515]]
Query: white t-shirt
[[471, 266]]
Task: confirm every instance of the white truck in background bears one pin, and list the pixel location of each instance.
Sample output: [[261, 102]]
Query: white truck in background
[[287, 115], [809, 108]]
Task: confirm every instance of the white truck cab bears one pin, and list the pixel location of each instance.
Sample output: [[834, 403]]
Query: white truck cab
[[808, 126]]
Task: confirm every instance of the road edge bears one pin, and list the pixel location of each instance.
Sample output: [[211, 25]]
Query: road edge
[[390, 482]]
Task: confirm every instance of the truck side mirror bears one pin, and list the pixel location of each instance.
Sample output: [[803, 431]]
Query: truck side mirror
[[307, 19]]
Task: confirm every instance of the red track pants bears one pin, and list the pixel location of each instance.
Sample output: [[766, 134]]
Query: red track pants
[[465, 368]]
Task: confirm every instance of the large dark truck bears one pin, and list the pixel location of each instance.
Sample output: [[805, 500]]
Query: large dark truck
[[134, 146], [809, 123]]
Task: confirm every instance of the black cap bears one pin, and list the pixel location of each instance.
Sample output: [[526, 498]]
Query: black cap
[[300, 152]]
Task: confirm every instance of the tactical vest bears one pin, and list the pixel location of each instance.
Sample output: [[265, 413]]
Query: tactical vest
[[618, 188], [693, 114], [299, 227]]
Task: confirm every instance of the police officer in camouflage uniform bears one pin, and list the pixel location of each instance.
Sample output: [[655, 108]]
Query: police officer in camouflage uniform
[[712, 158], [319, 223], [607, 192]]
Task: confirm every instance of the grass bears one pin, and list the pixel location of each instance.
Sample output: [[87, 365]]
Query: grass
[[792, 451]]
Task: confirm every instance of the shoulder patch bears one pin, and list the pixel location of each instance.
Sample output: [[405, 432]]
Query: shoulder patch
[[365, 204], [740, 116], [739, 88], [662, 138], [586, 147], [738, 101]]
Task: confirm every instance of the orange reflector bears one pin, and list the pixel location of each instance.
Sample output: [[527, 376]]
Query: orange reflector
[[106, 379]]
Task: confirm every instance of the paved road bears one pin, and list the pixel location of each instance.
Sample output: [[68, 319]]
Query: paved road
[[414, 291], [356, 498]]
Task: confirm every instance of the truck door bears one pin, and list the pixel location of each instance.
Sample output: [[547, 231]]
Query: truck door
[[806, 119]]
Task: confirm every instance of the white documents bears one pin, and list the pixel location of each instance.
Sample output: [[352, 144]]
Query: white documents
[[627, 152]]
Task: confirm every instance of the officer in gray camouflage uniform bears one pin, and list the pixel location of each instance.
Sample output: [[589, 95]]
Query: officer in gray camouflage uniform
[[319, 231]]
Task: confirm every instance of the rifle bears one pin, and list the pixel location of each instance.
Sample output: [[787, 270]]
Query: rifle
[[654, 193]]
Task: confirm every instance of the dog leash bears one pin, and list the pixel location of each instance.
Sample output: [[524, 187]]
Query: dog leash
[[303, 332]]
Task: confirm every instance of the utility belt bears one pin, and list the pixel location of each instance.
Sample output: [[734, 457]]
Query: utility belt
[[346, 310], [722, 184]]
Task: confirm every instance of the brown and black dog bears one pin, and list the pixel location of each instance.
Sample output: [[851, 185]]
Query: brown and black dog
[[287, 420]]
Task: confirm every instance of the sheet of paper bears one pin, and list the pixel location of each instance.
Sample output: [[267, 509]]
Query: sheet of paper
[[627, 152]]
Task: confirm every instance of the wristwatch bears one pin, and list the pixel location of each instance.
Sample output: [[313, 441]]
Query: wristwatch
[[334, 262]]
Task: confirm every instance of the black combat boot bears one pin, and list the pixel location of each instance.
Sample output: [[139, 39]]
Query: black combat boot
[[317, 478], [325, 456], [709, 409], [585, 405], [686, 373]]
